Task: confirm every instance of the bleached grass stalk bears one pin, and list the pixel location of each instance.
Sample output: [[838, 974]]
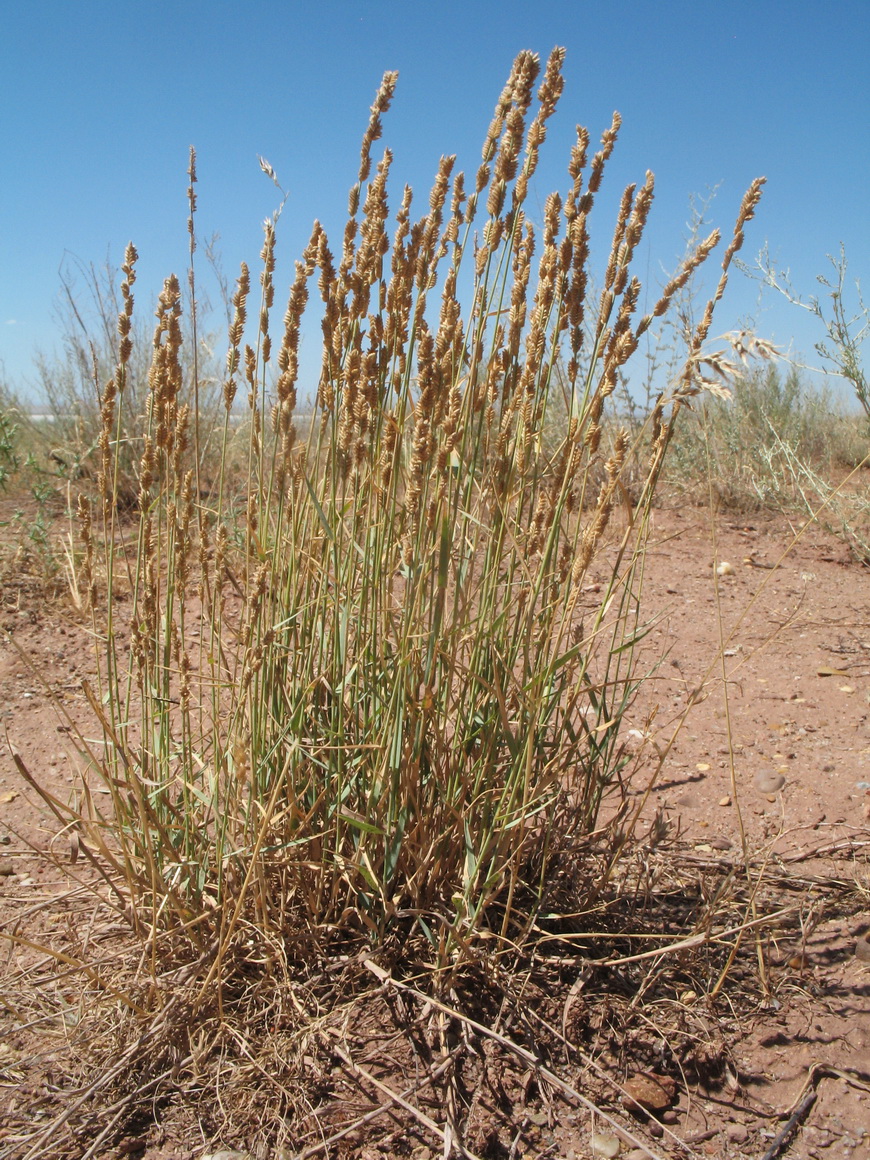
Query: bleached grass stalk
[[377, 691]]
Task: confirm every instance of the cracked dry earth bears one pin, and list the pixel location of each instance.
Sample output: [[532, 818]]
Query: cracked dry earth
[[777, 742]]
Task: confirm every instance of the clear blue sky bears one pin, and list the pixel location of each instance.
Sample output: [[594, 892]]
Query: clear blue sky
[[100, 102]]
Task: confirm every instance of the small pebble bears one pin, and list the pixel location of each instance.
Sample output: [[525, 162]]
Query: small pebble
[[769, 783], [736, 1133], [653, 1093], [862, 949], [726, 800], [607, 1146]]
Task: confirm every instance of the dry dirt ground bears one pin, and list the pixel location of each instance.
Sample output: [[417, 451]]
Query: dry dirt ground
[[774, 657]]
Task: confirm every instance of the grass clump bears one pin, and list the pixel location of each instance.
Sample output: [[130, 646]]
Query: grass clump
[[376, 688]]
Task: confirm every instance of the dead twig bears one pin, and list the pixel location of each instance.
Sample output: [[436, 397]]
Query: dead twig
[[785, 1135]]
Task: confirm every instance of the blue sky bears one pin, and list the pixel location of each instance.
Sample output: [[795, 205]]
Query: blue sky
[[100, 102]]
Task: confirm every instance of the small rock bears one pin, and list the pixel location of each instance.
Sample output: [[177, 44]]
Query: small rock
[[227, 1154], [7, 869], [736, 1133], [653, 1093], [130, 1145], [862, 949], [607, 1146], [721, 843], [725, 569], [726, 800], [669, 1116], [769, 783]]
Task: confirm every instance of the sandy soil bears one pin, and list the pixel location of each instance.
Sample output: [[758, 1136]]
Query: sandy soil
[[774, 655]]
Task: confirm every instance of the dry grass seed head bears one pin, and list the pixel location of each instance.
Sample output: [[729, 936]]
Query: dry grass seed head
[[608, 141], [382, 102], [692, 262], [576, 166], [86, 534], [692, 382], [548, 97], [494, 133]]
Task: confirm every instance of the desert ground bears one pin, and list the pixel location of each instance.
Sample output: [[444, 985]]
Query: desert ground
[[760, 793]]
